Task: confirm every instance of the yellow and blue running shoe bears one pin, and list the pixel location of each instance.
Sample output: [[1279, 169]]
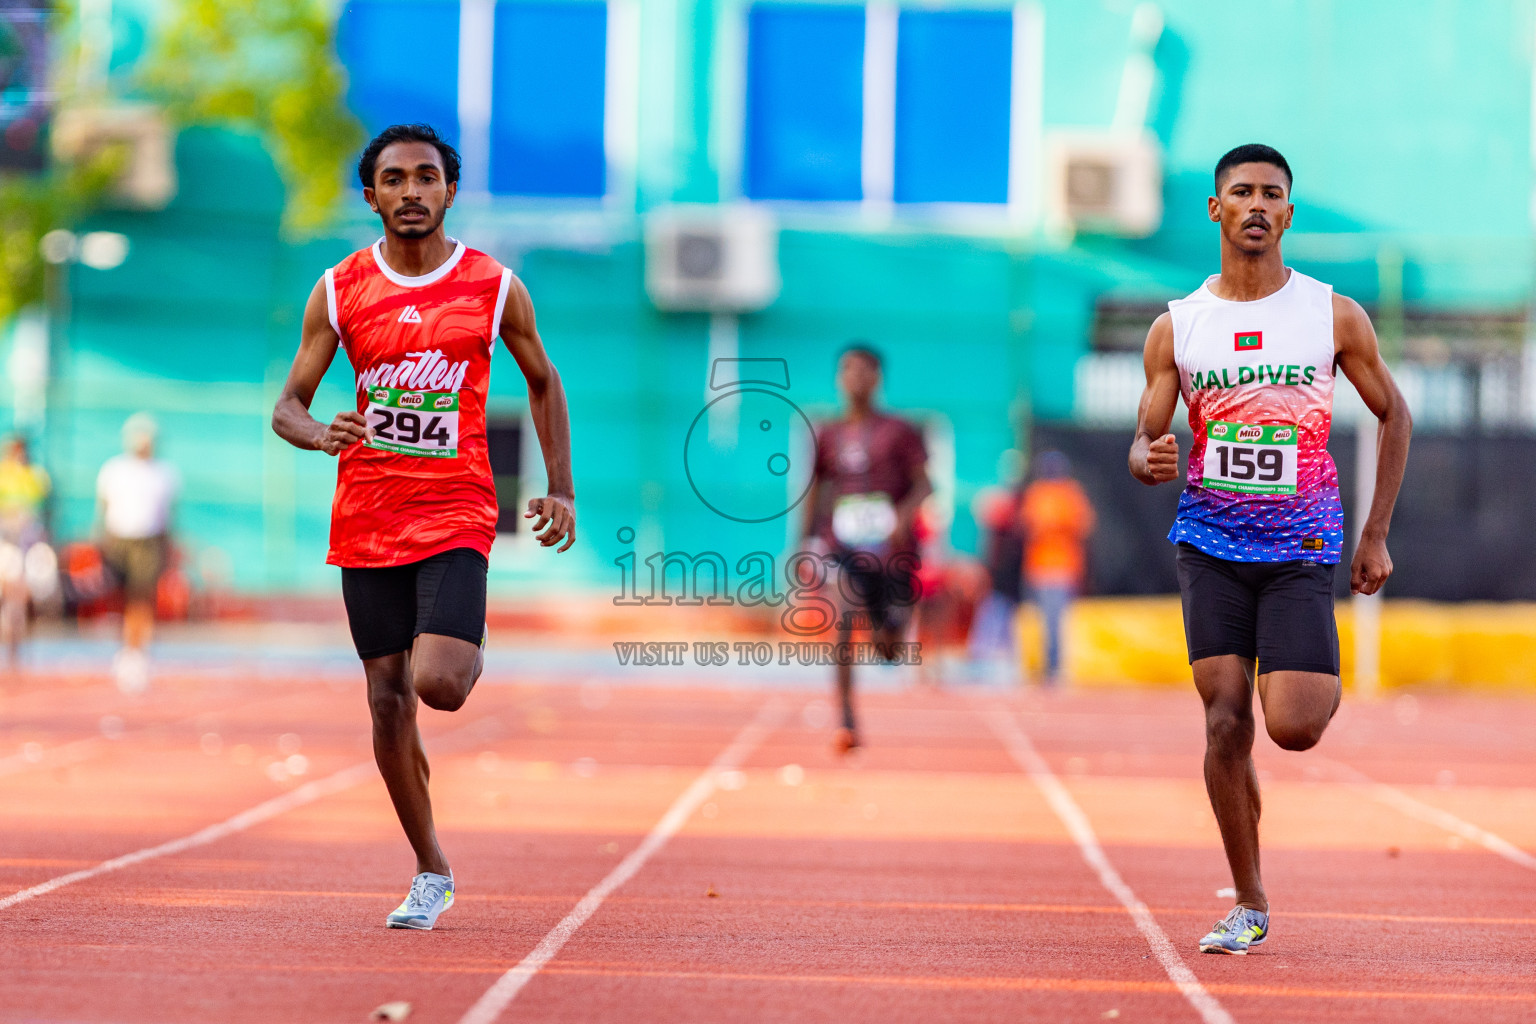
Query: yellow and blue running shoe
[[1233, 934], [430, 895]]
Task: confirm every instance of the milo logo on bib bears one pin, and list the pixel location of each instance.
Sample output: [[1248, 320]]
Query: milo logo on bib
[[413, 401], [1250, 433]]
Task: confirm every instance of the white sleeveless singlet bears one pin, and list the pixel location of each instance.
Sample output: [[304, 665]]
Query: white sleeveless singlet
[[1258, 380]]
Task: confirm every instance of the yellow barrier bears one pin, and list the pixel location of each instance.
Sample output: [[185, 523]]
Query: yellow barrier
[[1140, 642]]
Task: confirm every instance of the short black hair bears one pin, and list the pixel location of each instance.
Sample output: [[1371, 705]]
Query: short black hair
[[864, 350], [407, 133], [1252, 153]]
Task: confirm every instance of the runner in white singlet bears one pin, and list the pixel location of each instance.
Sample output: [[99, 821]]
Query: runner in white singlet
[[1259, 527]]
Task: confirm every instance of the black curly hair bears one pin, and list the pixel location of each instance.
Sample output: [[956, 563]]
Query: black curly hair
[[407, 133]]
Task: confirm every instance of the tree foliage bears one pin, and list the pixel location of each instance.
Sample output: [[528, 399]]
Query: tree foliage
[[269, 66], [34, 206], [263, 65]]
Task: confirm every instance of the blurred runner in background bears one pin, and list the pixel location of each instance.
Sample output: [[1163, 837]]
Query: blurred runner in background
[[871, 477], [1057, 520], [23, 488], [134, 493]]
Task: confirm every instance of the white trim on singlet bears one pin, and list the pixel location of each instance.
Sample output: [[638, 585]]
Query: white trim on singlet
[[425, 279], [501, 304], [330, 300]]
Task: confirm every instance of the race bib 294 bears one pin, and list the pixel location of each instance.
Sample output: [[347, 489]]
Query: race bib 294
[[420, 423]]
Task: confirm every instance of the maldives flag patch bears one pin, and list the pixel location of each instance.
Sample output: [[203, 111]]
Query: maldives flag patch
[[1249, 341]]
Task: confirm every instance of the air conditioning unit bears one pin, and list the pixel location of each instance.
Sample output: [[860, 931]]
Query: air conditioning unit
[[148, 178], [720, 259], [1103, 182]]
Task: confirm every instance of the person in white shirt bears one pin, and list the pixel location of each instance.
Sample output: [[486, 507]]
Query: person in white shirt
[[134, 493]]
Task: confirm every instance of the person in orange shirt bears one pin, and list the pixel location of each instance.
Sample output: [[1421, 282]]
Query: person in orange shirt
[[1057, 519]]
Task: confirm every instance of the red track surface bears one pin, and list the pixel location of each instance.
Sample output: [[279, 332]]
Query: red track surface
[[927, 880]]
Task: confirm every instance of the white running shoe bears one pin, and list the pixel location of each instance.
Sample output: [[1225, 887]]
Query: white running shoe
[[431, 894]]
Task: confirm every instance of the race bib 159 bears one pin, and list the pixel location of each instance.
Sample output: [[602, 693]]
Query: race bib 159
[[1249, 458], [423, 423]]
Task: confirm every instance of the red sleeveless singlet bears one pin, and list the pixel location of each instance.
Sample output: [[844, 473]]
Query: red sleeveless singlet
[[421, 351]]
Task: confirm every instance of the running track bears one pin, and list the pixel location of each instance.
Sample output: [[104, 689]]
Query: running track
[[688, 854]]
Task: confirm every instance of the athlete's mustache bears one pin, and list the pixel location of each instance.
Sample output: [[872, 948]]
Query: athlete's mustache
[[1256, 222], [412, 207]]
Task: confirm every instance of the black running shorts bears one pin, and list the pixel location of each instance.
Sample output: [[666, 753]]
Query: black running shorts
[[1277, 613], [883, 587], [388, 608]]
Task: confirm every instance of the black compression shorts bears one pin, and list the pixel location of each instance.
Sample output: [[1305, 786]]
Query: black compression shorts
[[1277, 613], [388, 608]]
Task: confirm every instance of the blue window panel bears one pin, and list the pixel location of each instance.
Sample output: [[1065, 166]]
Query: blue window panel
[[402, 60], [805, 102], [954, 74], [547, 99]]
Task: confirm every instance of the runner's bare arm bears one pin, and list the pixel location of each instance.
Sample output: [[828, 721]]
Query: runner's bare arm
[[556, 511], [1360, 358], [1154, 457], [290, 417], [809, 504], [906, 511]]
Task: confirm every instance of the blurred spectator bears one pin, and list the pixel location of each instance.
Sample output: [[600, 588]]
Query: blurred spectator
[[993, 645], [23, 488], [134, 494], [1057, 519]]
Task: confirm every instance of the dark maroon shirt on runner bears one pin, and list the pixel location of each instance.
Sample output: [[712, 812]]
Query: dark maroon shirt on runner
[[877, 454]]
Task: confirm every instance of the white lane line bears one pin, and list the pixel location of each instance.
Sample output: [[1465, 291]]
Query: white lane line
[[500, 995], [262, 812], [1012, 737], [305, 794], [1432, 815]]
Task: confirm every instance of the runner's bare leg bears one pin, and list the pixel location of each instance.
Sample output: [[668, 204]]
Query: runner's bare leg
[[398, 752], [444, 669], [844, 675], [1298, 706], [1225, 685]]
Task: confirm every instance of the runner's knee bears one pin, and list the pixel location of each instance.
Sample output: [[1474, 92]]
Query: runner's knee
[[390, 706], [440, 690], [1295, 734], [1229, 729]]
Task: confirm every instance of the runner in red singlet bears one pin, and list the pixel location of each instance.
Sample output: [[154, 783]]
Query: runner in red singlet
[[870, 479], [415, 508]]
